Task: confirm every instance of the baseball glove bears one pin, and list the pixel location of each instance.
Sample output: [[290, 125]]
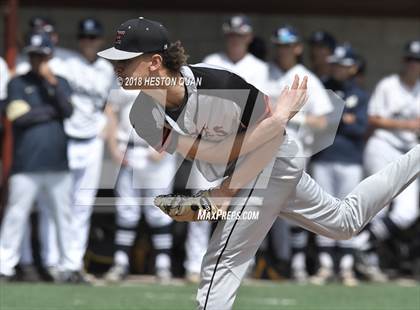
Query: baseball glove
[[186, 208]]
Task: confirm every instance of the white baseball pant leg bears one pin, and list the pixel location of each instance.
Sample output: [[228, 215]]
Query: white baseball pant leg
[[405, 208], [47, 235], [235, 241], [85, 160], [24, 189]]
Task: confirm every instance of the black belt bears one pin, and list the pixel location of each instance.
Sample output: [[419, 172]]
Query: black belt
[[77, 139], [134, 144]]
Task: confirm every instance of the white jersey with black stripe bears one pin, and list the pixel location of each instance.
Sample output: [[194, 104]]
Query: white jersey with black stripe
[[219, 103]]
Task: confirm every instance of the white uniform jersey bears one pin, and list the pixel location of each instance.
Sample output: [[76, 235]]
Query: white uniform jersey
[[392, 99], [250, 68], [4, 78], [91, 84], [318, 103]]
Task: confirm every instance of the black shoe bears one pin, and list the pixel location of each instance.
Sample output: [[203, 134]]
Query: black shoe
[[4, 278], [29, 273]]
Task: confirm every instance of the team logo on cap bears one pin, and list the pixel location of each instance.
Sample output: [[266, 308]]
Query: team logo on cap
[[415, 47], [237, 21], [340, 52], [89, 24], [118, 38], [36, 40]]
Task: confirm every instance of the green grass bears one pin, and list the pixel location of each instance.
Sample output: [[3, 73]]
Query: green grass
[[264, 296]]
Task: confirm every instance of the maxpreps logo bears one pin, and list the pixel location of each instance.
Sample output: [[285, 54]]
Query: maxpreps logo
[[118, 38]]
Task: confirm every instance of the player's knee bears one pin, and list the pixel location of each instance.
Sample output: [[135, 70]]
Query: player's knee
[[351, 222]]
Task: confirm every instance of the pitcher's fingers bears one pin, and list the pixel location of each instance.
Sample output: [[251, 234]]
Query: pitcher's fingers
[[295, 83], [304, 84]]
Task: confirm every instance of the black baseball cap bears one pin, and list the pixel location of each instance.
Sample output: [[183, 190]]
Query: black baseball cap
[[285, 35], [39, 43], [412, 50], [136, 37], [41, 24], [343, 55], [323, 38], [239, 24], [90, 27]]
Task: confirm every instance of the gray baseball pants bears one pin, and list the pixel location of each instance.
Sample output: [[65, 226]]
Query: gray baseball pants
[[235, 242]]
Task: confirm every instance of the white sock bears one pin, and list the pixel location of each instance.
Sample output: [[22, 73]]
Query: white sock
[[325, 260], [347, 262], [121, 258], [163, 261], [298, 261], [361, 241]]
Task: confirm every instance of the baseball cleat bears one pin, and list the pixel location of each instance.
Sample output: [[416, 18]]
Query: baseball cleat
[[323, 276], [116, 274]]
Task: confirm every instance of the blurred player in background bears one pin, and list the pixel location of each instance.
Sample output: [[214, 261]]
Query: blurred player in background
[[238, 35], [321, 46], [91, 79], [60, 56], [258, 48], [38, 102], [338, 169], [394, 113], [47, 231], [143, 173], [360, 77], [286, 64]]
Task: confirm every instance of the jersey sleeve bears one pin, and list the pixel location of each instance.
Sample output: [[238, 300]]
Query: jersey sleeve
[[20, 112], [150, 125], [16, 105], [378, 103], [4, 77]]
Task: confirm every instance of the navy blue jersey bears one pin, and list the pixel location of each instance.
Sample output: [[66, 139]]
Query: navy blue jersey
[[36, 110], [349, 142]]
